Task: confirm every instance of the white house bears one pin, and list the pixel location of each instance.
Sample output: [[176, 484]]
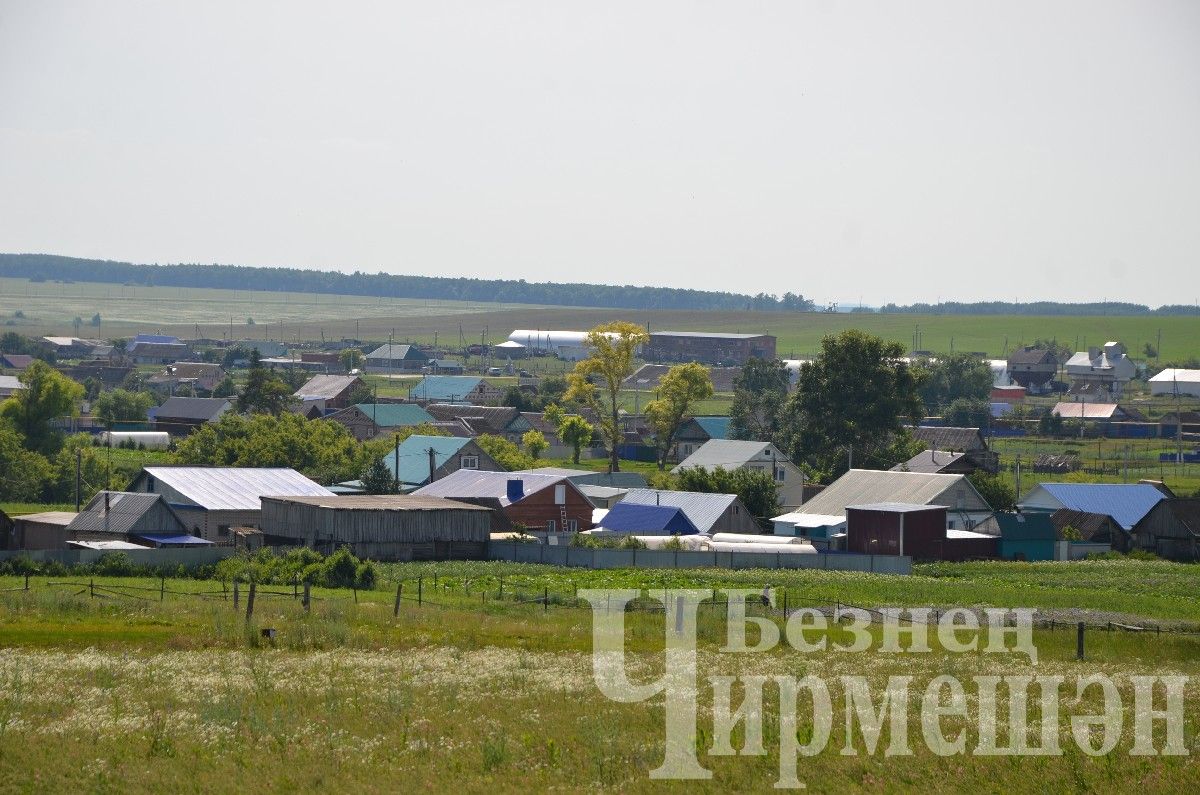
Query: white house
[[758, 456]]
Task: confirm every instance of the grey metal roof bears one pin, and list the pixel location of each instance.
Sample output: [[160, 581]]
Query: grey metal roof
[[949, 438], [726, 453], [326, 387], [383, 502], [192, 408], [703, 510], [234, 488], [895, 507], [865, 486], [124, 510], [706, 335], [928, 461], [478, 484]]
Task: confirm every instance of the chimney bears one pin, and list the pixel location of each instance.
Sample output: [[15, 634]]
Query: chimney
[[516, 489]]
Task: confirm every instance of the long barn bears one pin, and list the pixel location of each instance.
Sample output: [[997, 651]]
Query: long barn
[[379, 527]]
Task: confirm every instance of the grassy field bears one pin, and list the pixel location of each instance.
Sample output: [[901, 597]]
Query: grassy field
[[137, 695], [49, 308]]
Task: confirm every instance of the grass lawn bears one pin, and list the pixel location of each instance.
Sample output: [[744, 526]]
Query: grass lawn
[[130, 695]]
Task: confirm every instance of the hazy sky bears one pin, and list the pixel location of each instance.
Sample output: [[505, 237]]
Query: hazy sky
[[896, 151]]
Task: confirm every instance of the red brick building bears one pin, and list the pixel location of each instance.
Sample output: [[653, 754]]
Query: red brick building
[[537, 502], [919, 531]]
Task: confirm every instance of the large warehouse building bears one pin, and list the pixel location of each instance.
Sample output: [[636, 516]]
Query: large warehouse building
[[379, 527], [708, 348]]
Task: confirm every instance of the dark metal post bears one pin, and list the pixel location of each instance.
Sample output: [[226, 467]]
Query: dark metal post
[[92, 589], [1079, 640], [236, 589], [545, 598], [399, 593], [162, 589], [250, 601], [307, 596], [420, 590]]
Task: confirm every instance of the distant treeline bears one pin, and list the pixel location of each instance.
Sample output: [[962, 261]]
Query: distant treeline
[[1038, 308], [238, 277]]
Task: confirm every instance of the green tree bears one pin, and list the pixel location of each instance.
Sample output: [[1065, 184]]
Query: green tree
[[679, 391], [504, 452], [1050, 424], [361, 393], [995, 490], [534, 442], [850, 400], [351, 359], [614, 347], [227, 388], [516, 398], [575, 431], [759, 394], [93, 470], [120, 405], [967, 413], [25, 473], [554, 414], [758, 491], [47, 394], [265, 392], [954, 377], [378, 479]]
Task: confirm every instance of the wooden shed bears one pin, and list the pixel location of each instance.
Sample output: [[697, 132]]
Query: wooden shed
[[1170, 530], [379, 527]]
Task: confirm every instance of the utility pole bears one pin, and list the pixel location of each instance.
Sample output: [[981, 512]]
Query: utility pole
[[850, 457], [78, 463], [1018, 477], [432, 464], [397, 462]]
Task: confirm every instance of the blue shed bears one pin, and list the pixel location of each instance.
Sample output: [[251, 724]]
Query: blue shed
[[647, 520]]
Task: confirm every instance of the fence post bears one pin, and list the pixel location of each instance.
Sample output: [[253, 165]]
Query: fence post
[[1079, 641], [420, 589], [785, 606], [162, 589], [679, 615], [27, 581], [92, 589], [250, 600], [501, 596], [224, 592], [236, 589], [295, 586], [545, 598], [354, 588], [307, 596], [399, 593]]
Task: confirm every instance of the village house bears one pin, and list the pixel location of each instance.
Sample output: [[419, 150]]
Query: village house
[[1126, 503], [142, 519], [15, 361], [419, 459], [765, 457], [155, 349], [1033, 368], [710, 513], [368, 420], [391, 358], [966, 508], [196, 375], [455, 389], [180, 416], [694, 432], [938, 462], [1096, 413], [328, 392], [1104, 371], [503, 421], [958, 440], [212, 500], [1171, 530], [521, 500]]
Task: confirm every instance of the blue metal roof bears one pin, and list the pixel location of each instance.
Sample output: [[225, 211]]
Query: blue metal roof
[[165, 540], [444, 387], [413, 456], [715, 427], [1126, 503], [648, 520]]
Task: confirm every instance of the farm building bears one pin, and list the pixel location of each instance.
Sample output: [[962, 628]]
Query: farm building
[[1033, 368], [708, 348], [919, 531], [1096, 412], [1127, 503], [710, 513], [455, 389], [1089, 528], [647, 520], [536, 502], [1105, 370], [1176, 381], [966, 509], [823, 532], [45, 530], [328, 392], [1026, 536], [155, 349], [392, 358], [1170, 530], [180, 416], [71, 347], [211, 500], [142, 519], [380, 527], [368, 420], [420, 459], [570, 346], [765, 457]]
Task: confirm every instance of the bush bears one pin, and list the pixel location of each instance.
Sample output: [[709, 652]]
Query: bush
[[114, 564]]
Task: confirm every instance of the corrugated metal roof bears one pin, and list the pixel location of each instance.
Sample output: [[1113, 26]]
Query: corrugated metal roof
[[715, 335], [384, 502], [192, 408], [1127, 503], [810, 520], [1168, 376], [10, 383], [412, 456], [864, 486], [895, 507], [444, 387], [650, 519], [395, 415], [1085, 411], [393, 351], [234, 488], [325, 387], [949, 438], [928, 461], [726, 453], [715, 427], [174, 540], [124, 511], [703, 510], [476, 484]]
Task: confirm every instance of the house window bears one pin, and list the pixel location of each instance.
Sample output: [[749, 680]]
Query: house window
[[551, 526], [950, 524], [469, 462], [571, 526], [780, 473], [222, 529]]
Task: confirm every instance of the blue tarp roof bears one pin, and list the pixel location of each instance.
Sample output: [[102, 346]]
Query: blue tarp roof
[[715, 427], [663, 520], [167, 540], [1126, 503]]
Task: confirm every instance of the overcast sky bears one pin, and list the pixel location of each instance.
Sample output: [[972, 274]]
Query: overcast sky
[[889, 151]]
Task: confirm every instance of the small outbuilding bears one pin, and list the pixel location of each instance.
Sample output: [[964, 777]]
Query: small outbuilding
[[919, 531], [647, 520], [379, 527]]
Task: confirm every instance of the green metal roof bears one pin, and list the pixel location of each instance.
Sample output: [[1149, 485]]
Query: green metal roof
[[413, 456], [395, 415]]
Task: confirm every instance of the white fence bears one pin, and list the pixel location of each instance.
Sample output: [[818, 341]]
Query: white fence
[[585, 557]]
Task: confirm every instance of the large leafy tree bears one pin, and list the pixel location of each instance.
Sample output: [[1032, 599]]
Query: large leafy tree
[[997, 491], [25, 473], [958, 376], [614, 349], [850, 404], [265, 392], [504, 452], [121, 405], [679, 391], [758, 491], [759, 394], [47, 394], [575, 431]]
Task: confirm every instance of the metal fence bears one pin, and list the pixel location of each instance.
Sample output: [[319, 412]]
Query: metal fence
[[588, 558]]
